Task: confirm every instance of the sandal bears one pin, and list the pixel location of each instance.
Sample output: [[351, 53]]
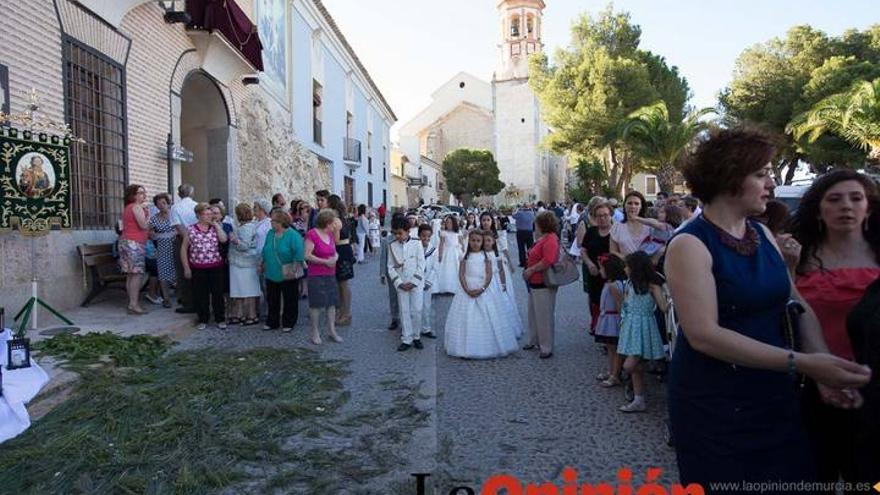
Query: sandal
[[136, 311], [233, 321], [249, 322], [610, 382], [602, 377]]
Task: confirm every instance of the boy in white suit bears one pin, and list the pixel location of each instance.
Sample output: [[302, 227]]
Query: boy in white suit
[[406, 268], [431, 264]]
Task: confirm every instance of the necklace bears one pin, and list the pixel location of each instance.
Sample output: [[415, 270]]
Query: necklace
[[747, 246]]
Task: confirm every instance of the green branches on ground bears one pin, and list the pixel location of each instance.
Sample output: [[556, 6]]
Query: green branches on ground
[[191, 423], [78, 351]]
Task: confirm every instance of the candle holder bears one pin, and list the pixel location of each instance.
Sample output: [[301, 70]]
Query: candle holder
[[18, 353]]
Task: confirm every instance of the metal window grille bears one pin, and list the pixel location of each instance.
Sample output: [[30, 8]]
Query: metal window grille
[[94, 97]]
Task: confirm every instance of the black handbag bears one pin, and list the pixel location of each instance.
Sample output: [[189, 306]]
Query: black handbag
[[791, 333], [791, 325]]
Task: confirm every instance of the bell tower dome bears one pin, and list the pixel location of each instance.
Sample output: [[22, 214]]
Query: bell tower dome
[[521, 25]]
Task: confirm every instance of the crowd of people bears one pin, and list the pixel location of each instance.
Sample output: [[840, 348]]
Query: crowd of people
[[768, 380], [247, 269]]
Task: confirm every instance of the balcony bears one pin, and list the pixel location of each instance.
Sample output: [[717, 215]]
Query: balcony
[[351, 152], [417, 181], [225, 39], [316, 131]]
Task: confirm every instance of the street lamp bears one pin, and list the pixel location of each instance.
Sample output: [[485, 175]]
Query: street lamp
[[175, 11]]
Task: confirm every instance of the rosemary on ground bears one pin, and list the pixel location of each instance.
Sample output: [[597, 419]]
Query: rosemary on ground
[[146, 421]]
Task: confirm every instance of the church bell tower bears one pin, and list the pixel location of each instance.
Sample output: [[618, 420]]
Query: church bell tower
[[521, 25]]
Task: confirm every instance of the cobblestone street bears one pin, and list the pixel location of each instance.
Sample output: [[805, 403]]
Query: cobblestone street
[[519, 415]]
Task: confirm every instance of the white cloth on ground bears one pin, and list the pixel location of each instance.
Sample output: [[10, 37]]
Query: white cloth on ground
[[19, 387]]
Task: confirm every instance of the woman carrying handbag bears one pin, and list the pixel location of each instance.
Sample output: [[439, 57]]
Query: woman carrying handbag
[[283, 254]]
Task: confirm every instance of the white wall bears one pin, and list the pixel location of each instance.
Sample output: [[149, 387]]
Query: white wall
[[345, 89]]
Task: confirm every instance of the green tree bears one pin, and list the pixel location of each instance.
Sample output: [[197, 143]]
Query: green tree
[[775, 81], [854, 116], [590, 180], [594, 84], [660, 140], [471, 173]]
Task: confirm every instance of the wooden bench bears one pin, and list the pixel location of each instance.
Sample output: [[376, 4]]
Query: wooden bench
[[102, 267]]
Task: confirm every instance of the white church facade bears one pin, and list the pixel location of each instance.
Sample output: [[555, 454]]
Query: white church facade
[[503, 115]]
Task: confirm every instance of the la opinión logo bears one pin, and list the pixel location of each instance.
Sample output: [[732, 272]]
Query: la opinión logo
[[511, 485]]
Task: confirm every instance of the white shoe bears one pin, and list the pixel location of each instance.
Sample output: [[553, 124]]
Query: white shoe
[[286, 329], [634, 406], [221, 326], [201, 326], [155, 300]]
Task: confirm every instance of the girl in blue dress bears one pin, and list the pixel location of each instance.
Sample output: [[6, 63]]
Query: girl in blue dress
[[639, 336]]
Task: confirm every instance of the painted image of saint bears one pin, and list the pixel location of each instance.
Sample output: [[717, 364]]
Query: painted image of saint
[[35, 175], [272, 26]]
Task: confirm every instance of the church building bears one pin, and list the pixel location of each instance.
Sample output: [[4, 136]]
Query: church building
[[503, 115]]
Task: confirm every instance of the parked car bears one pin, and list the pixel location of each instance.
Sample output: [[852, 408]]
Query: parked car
[[791, 195], [438, 210], [457, 210]]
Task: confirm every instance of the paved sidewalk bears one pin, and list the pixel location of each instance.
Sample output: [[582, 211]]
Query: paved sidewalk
[[520, 415]]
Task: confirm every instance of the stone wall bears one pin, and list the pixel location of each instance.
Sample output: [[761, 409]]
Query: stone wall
[[270, 159], [464, 127]]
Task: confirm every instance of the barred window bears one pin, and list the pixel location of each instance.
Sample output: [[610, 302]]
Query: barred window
[[94, 94]]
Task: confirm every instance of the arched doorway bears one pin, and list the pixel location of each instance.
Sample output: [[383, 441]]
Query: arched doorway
[[205, 131]]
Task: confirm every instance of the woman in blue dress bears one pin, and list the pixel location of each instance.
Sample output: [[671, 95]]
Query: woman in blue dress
[[733, 407]]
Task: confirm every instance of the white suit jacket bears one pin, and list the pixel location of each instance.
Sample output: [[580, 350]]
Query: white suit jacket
[[406, 263]]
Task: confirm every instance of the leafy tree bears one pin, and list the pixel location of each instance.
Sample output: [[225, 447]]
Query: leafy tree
[[471, 173], [590, 180], [661, 140], [594, 84], [672, 87], [777, 80], [853, 115]]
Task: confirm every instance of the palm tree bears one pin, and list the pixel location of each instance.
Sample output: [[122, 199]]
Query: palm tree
[[660, 143], [854, 116]]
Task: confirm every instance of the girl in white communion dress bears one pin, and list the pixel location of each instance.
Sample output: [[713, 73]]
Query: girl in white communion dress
[[475, 325]]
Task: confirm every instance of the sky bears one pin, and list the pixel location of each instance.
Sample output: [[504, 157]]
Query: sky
[[412, 47]]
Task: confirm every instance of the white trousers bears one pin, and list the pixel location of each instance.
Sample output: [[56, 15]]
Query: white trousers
[[362, 244], [427, 312], [411, 303]]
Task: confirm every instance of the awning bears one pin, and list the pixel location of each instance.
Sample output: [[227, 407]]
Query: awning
[[227, 17]]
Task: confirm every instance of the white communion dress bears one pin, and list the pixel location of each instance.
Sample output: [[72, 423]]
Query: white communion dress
[[501, 296], [447, 272], [475, 326]]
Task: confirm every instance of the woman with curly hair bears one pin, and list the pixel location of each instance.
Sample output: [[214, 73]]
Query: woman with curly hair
[[838, 227], [733, 409]]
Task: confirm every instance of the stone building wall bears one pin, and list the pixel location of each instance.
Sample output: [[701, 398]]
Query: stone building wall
[[31, 50], [265, 157], [464, 127], [271, 159]]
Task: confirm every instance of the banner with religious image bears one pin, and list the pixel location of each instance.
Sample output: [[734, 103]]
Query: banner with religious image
[[34, 182]]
